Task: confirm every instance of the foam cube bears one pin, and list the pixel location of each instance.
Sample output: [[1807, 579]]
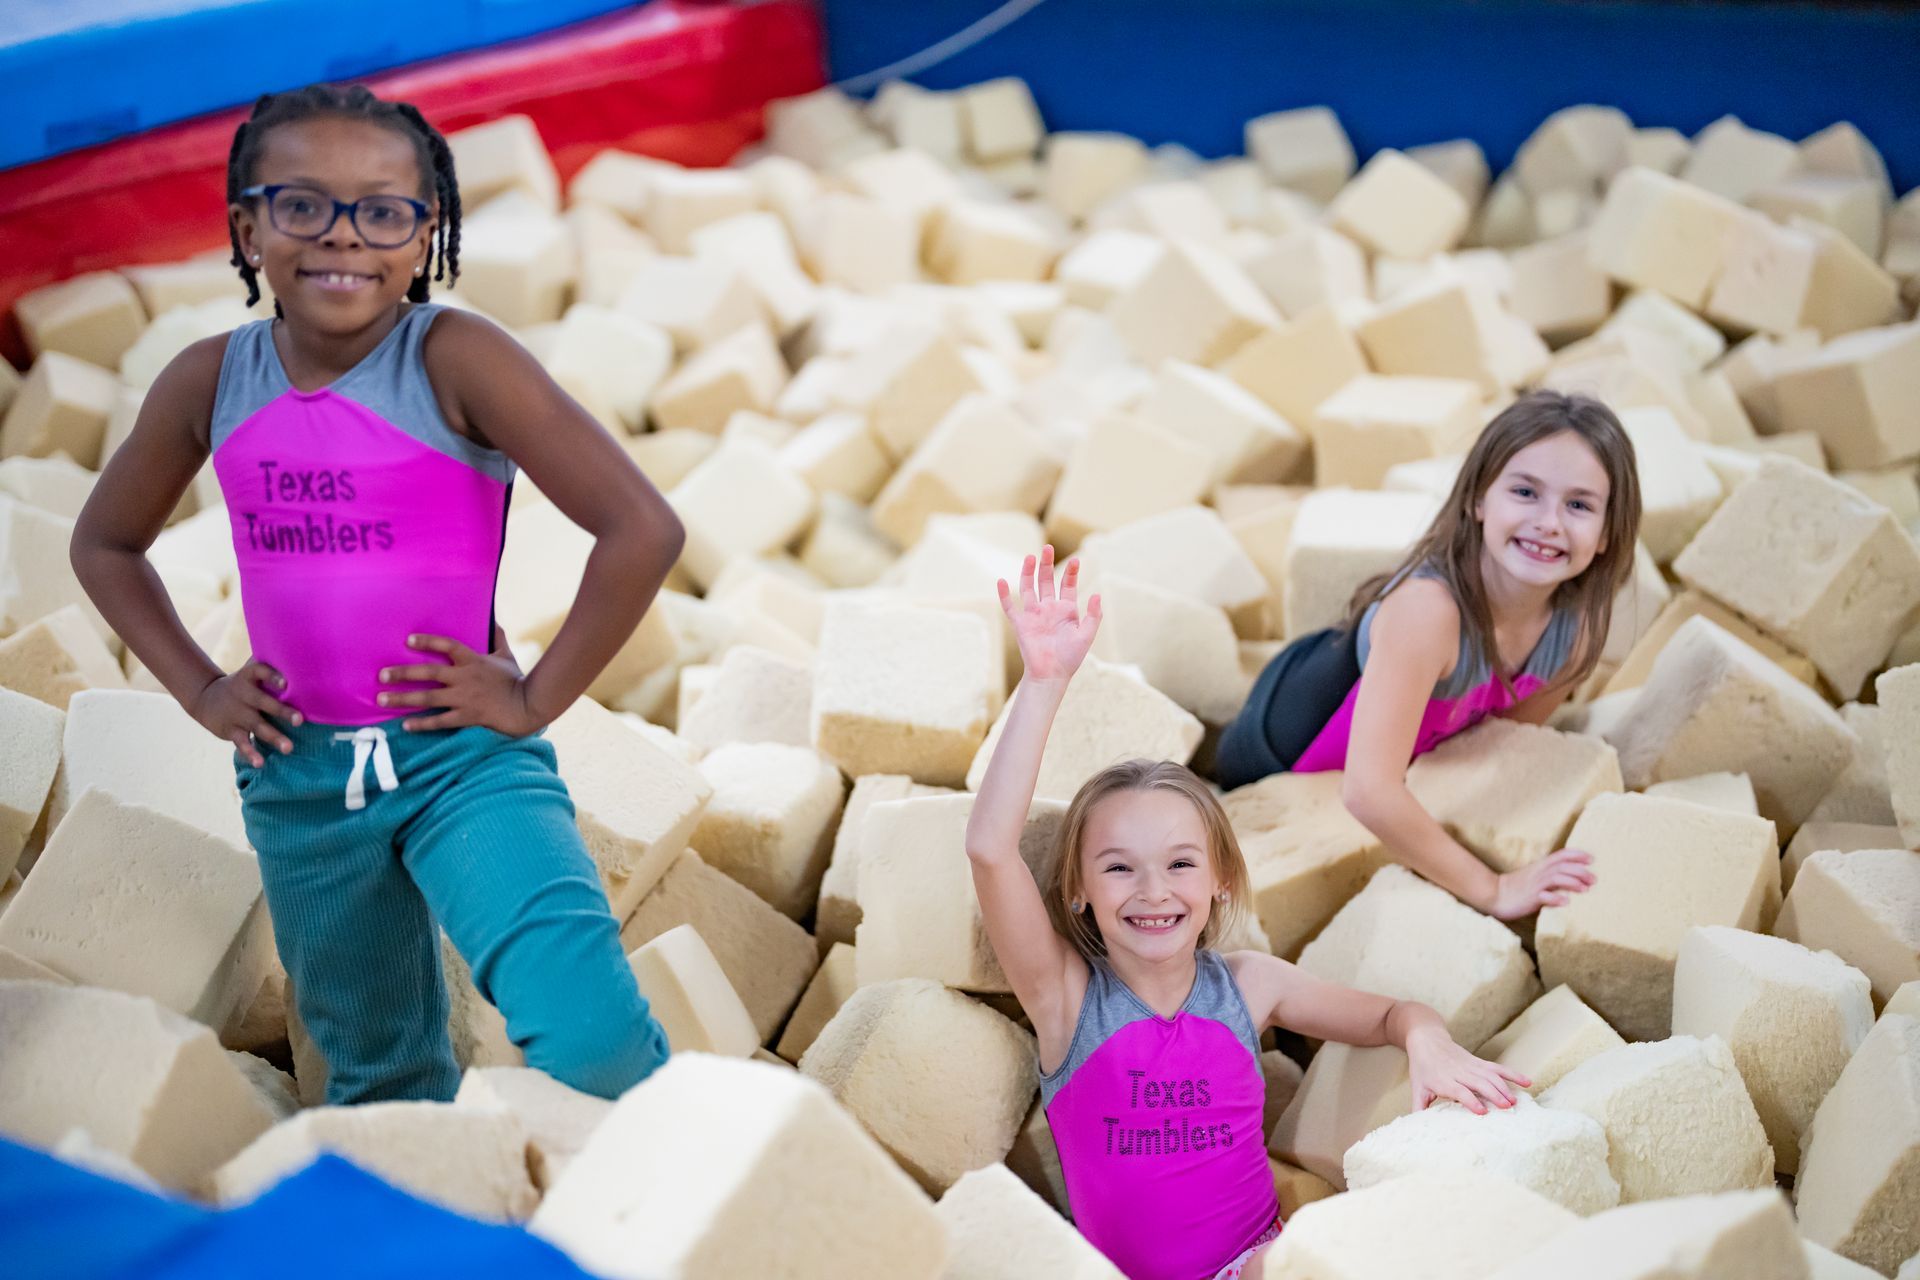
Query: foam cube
[[790, 1185], [1899, 693], [1311, 266], [981, 456], [740, 501], [1510, 791], [1295, 369], [742, 370], [30, 737], [905, 383], [1188, 550], [1712, 703], [1860, 905], [920, 917], [1000, 119], [1448, 1227], [766, 957], [698, 301], [838, 453], [1375, 421], [1306, 855], [1734, 161], [822, 129], [1458, 162], [616, 360], [1170, 208], [504, 155], [1634, 667], [1398, 207], [62, 407], [1658, 232], [113, 738], [607, 252], [1858, 393], [1678, 1118], [1304, 150], [952, 1112], [1341, 538], [1001, 1231], [1105, 264], [1193, 304], [1844, 837], [770, 821], [59, 485], [1791, 1016], [1732, 792], [1550, 1037], [1558, 290], [875, 711], [1107, 715], [144, 1082], [635, 805], [557, 1120], [760, 246], [1678, 490], [839, 907], [1858, 1191], [920, 119], [1184, 648], [756, 696], [93, 317], [1561, 1155], [833, 984], [974, 242], [1084, 169], [1381, 941], [690, 997], [1736, 1235], [1660, 867], [1122, 470], [1577, 147], [516, 261], [1250, 443], [1825, 1264]]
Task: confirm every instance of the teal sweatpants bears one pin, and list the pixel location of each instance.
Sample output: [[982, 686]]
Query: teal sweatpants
[[372, 840]]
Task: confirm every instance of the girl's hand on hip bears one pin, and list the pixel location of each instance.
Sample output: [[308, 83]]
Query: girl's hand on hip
[[236, 707], [1546, 883], [1053, 634], [1440, 1068], [474, 688]]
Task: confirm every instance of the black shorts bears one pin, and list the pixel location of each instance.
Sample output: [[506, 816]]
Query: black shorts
[[1292, 701]]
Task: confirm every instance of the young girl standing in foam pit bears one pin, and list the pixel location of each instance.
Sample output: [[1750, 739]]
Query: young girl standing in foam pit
[[392, 773], [1500, 609], [1149, 1038]]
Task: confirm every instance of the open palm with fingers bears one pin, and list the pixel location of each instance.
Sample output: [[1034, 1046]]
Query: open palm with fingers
[[1546, 883], [1054, 635]]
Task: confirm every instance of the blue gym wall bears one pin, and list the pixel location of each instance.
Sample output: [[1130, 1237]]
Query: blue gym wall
[[1403, 72]]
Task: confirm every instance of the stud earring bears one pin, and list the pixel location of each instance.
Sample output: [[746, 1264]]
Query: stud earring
[[419, 271], [256, 259], [1079, 907]]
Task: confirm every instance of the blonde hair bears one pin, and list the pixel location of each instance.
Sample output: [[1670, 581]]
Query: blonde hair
[[1065, 880]]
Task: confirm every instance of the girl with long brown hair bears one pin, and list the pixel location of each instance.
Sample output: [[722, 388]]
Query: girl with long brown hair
[[1500, 609]]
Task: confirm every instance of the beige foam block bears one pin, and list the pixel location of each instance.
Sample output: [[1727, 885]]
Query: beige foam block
[[1458, 162], [1862, 906], [1638, 663], [1660, 867], [919, 118], [31, 732], [874, 710], [1734, 161], [821, 129], [516, 260], [1898, 730], [973, 242], [1732, 792], [1035, 1160], [1375, 421], [1719, 407], [615, 359], [1511, 791], [113, 739], [697, 301], [843, 548], [1451, 328], [183, 923], [1398, 207], [1381, 941], [1679, 491], [1169, 208], [1905, 1001], [1707, 706], [1677, 1115], [1825, 609], [1109, 714], [1862, 794], [1000, 119], [759, 244], [690, 996], [1310, 266], [1842, 837], [607, 252], [770, 821], [1250, 443], [1841, 149], [471, 1161], [1347, 1093], [1294, 1187], [1188, 550], [1282, 1076], [1184, 648], [1854, 207], [757, 696], [714, 1167], [162, 286], [1294, 370], [838, 914], [1661, 149], [1895, 488], [93, 317], [1193, 304], [905, 383], [920, 917], [557, 1120], [1031, 306], [859, 243], [682, 201], [1858, 393], [1825, 1264], [1791, 1016], [1124, 469], [832, 986], [1550, 1037], [1561, 1155], [982, 455], [504, 155], [62, 406], [1001, 1230], [948, 1114], [766, 956], [1083, 170], [1449, 1227], [1306, 855], [1806, 274], [741, 501], [1341, 538], [1858, 1192], [1735, 1235], [1754, 366], [741, 370], [838, 453], [1304, 150], [58, 484], [1578, 147], [1658, 232], [147, 1084], [636, 805], [1105, 264], [1635, 608]]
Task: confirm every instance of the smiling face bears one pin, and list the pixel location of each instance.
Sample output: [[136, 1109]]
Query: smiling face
[[1146, 874], [1543, 519], [338, 283]]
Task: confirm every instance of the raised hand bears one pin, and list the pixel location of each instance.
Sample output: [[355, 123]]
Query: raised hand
[[236, 707], [1053, 634], [1440, 1068], [1546, 883]]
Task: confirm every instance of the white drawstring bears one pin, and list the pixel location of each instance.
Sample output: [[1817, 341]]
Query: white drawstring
[[368, 742]]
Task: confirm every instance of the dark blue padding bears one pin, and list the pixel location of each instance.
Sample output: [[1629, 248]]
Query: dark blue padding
[[77, 72], [329, 1220], [1405, 72]]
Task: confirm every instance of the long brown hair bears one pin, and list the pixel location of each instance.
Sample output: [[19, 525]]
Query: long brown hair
[[1452, 543], [1065, 881]]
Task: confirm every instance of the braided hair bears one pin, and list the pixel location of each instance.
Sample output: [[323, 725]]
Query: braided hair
[[353, 102]]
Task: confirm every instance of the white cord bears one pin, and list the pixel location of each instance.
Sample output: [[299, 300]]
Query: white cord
[[934, 54]]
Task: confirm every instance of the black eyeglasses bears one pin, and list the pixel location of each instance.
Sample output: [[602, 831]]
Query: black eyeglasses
[[385, 222]]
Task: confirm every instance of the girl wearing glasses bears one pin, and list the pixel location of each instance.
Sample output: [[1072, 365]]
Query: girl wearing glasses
[[389, 755]]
